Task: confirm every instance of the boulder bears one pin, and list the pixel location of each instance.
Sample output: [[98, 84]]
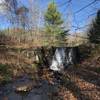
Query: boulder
[[24, 88]]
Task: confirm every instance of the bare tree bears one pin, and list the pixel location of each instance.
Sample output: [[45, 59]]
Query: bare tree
[[22, 15], [8, 8], [34, 15]]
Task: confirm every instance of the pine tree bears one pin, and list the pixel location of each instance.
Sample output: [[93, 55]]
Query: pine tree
[[94, 31], [53, 20]]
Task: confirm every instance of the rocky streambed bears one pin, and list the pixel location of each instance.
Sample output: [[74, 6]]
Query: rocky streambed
[[26, 89]]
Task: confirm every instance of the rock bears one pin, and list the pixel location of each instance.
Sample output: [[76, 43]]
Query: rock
[[1, 78], [5, 98], [17, 73], [24, 88]]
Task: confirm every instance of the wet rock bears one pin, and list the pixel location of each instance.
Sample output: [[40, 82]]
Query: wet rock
[[17, 73], [24, 88], [5, 98], [1, 78]]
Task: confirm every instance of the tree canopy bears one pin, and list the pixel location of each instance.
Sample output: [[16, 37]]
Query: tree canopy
[[94, 31], [53, 20]]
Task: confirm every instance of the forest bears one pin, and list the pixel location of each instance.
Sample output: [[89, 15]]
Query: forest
[[47, 53]]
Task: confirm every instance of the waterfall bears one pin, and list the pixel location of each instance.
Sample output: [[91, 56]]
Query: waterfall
[[69, 56], [62, 58]]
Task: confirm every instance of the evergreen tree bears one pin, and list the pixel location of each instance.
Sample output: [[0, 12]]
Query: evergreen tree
[[53, 20], [94, 31]]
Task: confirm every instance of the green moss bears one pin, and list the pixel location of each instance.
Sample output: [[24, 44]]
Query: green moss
[[5, 72], [98, 70], [34, 66]]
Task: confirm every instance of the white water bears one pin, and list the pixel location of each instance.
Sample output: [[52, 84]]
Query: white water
[[61, 58]]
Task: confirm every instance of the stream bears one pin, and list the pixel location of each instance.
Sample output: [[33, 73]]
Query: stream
[[39, 92]]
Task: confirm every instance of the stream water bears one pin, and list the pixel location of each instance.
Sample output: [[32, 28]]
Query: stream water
[[40, 92]]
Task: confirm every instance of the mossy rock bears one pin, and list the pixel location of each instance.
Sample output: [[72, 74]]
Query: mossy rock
[[5, 73]]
